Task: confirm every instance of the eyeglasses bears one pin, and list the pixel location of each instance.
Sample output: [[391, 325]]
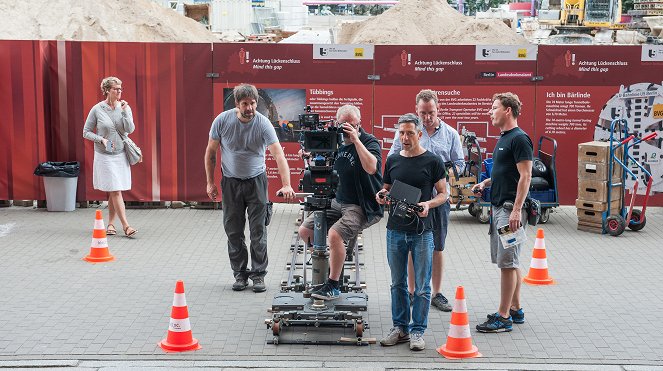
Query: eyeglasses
[[117, 89]]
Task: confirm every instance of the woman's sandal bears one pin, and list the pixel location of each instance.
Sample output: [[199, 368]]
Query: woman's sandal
[[110, 230], [129, 231]]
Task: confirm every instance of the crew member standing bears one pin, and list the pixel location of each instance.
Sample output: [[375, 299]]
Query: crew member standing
[[509, 181], [442, 140], [411, 234], [243, 135]]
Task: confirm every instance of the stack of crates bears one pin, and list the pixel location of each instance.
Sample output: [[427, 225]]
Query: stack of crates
[[594, 187], [462, 188]]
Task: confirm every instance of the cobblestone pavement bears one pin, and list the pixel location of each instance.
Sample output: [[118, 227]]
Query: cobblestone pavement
[[59, 311]]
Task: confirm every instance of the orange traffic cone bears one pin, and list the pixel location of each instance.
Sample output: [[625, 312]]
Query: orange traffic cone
[[538, 268], [180, 338], [459, 341], [99, 249]]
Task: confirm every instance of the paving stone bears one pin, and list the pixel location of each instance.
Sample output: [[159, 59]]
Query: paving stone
[[64, 307]]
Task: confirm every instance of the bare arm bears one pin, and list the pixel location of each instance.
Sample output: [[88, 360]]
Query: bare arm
[[284, 171], [368, 160], [525, 170], [210, 165], [385, 189], [439, 199], [479, 187]]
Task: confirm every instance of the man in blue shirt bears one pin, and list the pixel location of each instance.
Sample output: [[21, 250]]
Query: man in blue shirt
[[442, 140]]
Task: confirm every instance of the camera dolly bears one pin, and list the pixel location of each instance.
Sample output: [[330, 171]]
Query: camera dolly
[[294, 307]]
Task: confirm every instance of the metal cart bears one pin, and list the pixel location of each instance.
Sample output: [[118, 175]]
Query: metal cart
[[548, 198], [461, 184], [615, 224]]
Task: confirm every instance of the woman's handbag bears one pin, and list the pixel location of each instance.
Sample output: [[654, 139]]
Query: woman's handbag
[[132, 151]]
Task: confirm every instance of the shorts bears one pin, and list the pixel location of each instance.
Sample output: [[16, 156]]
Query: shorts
[[346, 219], [504, 258], [440, 225]]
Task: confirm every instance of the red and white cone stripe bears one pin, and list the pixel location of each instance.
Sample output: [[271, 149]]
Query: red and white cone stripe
[[180, 337], [99, 245], [537, 263]]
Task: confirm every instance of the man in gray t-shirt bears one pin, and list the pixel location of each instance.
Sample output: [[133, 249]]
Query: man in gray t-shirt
[[243, 135]]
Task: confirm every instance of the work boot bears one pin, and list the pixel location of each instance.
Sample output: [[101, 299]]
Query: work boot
[[441, 303], [240, 284], [259, 284]]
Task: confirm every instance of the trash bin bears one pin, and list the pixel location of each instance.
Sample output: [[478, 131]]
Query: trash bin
[[60, 181]]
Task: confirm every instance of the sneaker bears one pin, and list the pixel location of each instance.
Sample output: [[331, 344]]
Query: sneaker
[[259, 284], [441, 303], [417, 342], [395, 336], [496, 323], [518, 316], [326, 292], [240, 284], [411, 295]]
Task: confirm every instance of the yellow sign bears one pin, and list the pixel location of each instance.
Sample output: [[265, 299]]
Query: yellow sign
[[658, 111], [359, 52], [522, 53]]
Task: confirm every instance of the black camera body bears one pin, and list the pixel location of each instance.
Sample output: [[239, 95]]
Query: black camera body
[[402, 208], [321, 141]]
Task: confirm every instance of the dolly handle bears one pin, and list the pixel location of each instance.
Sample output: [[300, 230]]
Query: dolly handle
[[628, 139], [650, 136]]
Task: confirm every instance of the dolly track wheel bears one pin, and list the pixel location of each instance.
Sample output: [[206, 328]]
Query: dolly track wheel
[[359, 328], [545, 215], [474, 209], [615, 225], [276, 328], [637, 221], [483, 215]]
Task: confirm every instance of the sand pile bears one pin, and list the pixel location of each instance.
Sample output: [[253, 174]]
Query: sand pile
[[427, 22], [97, 20]]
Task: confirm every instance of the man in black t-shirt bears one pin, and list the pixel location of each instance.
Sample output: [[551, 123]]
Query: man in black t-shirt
[[509, 181], [413, 234], [359, 166]]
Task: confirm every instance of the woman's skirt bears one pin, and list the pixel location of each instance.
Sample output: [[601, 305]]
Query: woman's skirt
[[111, 172]]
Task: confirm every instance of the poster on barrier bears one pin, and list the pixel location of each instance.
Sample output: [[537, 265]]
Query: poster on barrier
[[585, 88], [290, 78], [464, 79]]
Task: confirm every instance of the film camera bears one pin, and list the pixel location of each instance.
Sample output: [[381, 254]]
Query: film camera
[[320, 141]]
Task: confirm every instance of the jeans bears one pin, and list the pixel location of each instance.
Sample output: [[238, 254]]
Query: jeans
[[399, 244]]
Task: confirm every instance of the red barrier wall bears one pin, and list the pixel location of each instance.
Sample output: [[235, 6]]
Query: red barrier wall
[[24, 65], [580, 94], [289, 78], [50, 87]]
